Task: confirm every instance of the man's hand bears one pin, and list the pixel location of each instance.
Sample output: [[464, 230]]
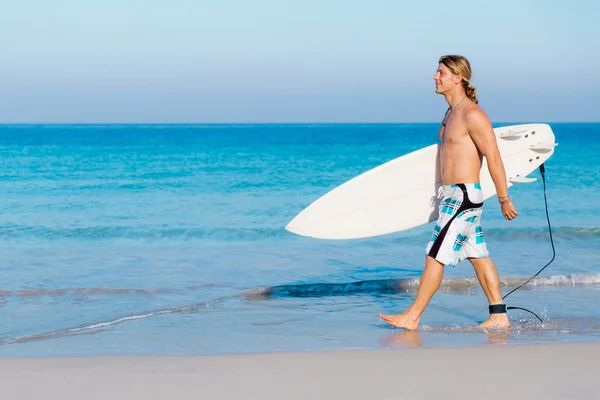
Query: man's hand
[[508, 210]]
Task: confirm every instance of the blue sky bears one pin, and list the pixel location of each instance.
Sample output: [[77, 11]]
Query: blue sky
[[302, 61]]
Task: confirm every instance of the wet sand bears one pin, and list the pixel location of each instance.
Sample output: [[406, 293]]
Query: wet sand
[[544, 371]]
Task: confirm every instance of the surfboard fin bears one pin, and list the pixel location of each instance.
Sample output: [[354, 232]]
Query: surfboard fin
[[543, 146], [521, 179], [512, 134]]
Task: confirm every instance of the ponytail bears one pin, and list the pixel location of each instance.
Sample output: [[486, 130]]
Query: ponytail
[[470, 91]]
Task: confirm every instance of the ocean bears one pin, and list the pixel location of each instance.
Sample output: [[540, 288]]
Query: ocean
[[170, 239]]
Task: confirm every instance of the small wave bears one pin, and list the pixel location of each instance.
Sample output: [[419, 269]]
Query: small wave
[[97, 326], [126, 232], [386, 286], [560, 232], [14, 231], [92, 291], [382, 286]]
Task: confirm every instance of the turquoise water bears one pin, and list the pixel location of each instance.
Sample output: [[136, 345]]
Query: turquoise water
[[169, 239]]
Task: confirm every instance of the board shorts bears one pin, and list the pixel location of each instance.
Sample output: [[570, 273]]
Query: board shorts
[[457, 234]]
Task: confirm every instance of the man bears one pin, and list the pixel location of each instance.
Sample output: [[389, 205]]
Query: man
[[466, 136]]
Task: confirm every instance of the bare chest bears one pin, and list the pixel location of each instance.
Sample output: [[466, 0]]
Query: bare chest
[[452, 131]]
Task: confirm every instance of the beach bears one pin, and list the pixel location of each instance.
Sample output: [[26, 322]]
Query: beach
[[151, 262], [158, 166], [545, 371]]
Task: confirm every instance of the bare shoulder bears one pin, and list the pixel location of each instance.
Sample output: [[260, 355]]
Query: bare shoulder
[[480, 129], [477, 121]]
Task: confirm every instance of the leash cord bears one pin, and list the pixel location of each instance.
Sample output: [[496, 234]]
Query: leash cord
[[542, 170]]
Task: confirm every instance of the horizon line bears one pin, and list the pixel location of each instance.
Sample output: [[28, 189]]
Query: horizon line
[[284, 123]]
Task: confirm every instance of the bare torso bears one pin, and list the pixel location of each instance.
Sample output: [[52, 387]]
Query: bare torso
[[460, 161]]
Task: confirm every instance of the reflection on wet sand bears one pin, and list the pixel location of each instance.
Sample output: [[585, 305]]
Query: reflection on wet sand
[[403, 339]]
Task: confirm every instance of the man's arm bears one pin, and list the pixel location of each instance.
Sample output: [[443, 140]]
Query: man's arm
[[481, 131]]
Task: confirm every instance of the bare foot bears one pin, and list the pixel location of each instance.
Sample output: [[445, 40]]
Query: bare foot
[[496, 321], [401, 321]]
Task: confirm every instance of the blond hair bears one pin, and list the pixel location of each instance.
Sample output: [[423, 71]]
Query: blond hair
[[460, 66]]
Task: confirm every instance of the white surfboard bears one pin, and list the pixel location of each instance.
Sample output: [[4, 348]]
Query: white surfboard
[[403, 193]]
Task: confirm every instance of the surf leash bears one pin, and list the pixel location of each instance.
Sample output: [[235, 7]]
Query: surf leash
[[543, 172]]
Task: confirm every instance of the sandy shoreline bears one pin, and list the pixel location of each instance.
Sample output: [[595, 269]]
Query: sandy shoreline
[[544, 371]]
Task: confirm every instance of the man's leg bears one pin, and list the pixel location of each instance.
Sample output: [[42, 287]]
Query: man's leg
[[429, 284], [490, 283]]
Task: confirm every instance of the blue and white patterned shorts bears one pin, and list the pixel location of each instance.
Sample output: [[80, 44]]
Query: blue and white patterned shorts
[[457, 234]]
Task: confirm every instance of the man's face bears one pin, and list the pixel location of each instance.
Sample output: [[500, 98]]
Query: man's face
[[444, 79]]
